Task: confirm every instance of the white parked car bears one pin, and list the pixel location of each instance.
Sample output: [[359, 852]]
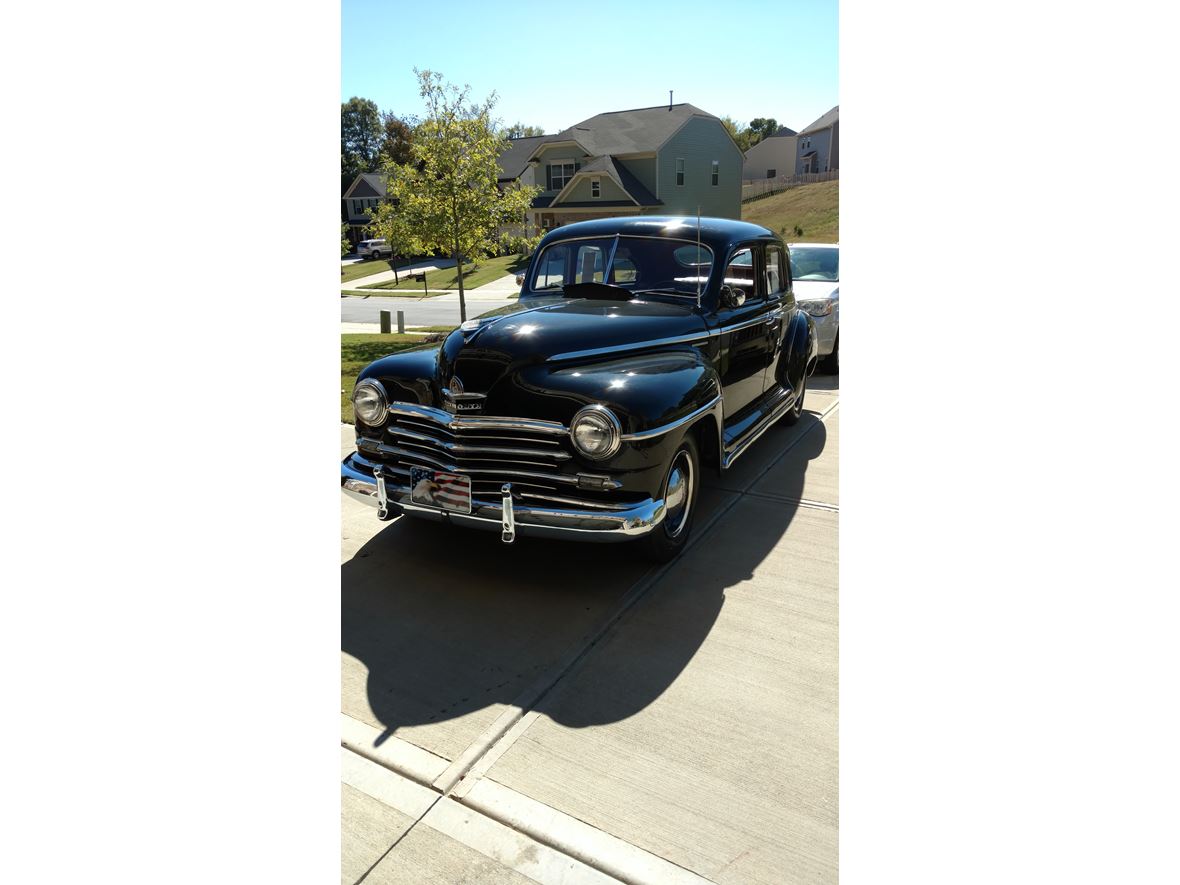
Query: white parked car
[[374, 248], [815, 275]]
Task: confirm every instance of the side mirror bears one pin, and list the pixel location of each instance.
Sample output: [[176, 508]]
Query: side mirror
[[520, 279], [732, 296]]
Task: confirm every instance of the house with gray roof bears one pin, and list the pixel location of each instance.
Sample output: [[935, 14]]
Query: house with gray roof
[[819, 145], [366, 192], [665, 160]]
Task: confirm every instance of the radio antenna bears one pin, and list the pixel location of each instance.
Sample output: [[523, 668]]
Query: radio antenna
[[698, 261]]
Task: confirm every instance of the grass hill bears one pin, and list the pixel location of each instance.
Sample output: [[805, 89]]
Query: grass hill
[[813, 207]]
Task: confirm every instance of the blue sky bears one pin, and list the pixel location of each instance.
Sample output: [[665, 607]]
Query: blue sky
[[556, 63]]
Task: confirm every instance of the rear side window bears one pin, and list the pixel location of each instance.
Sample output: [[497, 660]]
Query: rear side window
[[776, 271]]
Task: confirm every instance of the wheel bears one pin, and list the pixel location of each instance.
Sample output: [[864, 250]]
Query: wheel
[[796, 411], [830, 364], [679, 492]]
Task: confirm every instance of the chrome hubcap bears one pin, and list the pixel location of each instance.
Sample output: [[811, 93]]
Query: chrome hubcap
[[678, 495]]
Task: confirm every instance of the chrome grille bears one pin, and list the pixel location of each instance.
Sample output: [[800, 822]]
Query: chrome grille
[[528, 453]]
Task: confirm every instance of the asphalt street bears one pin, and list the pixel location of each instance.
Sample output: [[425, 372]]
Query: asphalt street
[[438, 311], [557, 712]]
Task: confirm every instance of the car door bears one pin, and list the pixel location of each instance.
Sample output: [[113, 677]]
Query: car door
[[745, 345], [779, 302]]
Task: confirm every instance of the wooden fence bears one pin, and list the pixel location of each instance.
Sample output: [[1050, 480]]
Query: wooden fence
[[752, 190]]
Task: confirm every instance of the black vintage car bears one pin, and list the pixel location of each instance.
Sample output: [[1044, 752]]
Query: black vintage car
[[642, 350]]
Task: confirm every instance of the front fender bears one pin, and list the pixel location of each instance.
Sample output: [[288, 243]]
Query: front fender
[[408, 376]]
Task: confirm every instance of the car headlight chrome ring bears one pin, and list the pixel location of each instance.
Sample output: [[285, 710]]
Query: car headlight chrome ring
[[370, 404], [595, 432]]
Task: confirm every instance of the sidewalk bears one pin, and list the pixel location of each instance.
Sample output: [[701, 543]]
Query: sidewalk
[[575, 715], [386, 276]]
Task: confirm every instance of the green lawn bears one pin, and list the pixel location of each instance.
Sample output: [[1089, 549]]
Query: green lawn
[[350, 272], [358, 350], [486, 271], [813, 207]]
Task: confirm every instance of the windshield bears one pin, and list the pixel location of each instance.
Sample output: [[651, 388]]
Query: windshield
[[639, 265], [815, 264]]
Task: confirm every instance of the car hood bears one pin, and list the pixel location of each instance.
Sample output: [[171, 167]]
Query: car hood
[[538, 330], [815, 290]]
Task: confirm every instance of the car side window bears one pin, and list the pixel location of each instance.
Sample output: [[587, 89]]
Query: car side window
[[551, 271], [776, 272], [742, 273]]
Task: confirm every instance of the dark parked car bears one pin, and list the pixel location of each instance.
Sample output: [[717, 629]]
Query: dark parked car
[[642, 350]]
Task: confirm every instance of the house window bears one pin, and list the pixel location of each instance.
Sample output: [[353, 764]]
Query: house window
[[560, 174], [595, 188], [771, 173], [716, 171], [680, 171]]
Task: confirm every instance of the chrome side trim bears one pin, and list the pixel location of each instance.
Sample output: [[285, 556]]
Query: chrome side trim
[[776, 411], [638, 345], [482, 422], [658, 342], [679, 422]]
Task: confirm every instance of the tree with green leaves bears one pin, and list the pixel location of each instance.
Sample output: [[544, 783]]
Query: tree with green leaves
[[739, 132], [360, 139], [345, 246], [519, 130], [448, 196], [762, 127], [397, 227], [396, 135]]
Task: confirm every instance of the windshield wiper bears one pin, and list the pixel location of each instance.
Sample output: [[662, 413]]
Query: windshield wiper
[[667, 292]]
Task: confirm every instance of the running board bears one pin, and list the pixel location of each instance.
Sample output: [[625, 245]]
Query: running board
[[754, 425]]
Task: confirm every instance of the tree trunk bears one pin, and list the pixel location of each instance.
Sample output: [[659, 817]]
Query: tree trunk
[[459, 269], [393, 264]]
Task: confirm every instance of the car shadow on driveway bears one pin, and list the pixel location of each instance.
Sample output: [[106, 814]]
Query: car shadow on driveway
[[448, 622]]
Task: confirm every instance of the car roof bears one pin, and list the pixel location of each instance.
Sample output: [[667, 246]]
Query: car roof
[[713, 231], [815, 245]]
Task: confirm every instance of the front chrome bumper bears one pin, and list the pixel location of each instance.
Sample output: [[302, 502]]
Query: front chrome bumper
[[357, 480]]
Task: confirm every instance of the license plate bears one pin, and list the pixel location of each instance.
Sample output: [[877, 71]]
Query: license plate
[[436, 488]]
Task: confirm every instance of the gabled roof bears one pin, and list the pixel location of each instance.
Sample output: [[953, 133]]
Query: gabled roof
[[367, 184], [823, 122], [782, 132], [514, 160], [630, 132], [622, 176]]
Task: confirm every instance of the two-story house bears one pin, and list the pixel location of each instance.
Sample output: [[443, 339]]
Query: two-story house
[[772, 157], [365, 192], [819, 145], [666, 160]]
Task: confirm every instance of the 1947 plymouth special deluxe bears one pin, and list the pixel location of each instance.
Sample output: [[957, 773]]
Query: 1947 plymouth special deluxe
[[641, 351]]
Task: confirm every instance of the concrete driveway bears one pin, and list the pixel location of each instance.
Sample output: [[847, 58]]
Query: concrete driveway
[[556, 712]]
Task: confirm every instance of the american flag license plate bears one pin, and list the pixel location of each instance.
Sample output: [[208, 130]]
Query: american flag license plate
[[434, 488]]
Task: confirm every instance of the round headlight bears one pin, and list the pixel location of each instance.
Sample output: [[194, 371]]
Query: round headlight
[[369, 402], [596, 432]]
